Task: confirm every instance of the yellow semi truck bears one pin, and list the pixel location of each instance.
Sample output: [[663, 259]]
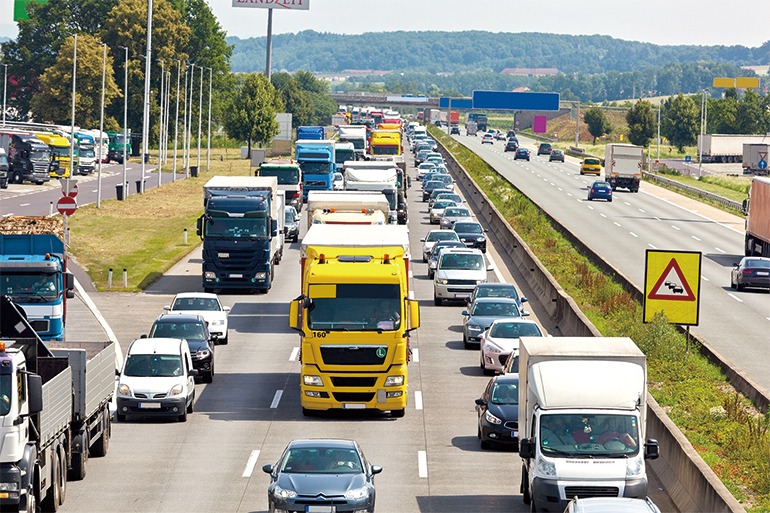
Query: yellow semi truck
[[60, 153], [354, 317]]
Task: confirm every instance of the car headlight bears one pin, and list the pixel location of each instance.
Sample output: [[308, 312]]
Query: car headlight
[[635, 467], [489, 347], [443, 282], [217, 322], [312, 381], [209, 275], [283, 493], [357, 493], [473, 327], [202, 355], [260, 276], [491, 418], [481, 239], [394, 381], [176, 390], [124, 390], [545, 468]]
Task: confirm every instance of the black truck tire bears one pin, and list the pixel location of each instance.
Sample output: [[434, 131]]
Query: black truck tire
[[79, 460], [53, 499], [102, 444]]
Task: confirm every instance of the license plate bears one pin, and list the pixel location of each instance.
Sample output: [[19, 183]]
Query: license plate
[[514, 434], [149, 406], [236, 276], [462, 296], [353, 406], [762, 273], [320, 509]]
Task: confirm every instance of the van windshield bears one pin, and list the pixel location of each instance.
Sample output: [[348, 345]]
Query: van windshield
[[153, 365], [589, 435], [465, 261]]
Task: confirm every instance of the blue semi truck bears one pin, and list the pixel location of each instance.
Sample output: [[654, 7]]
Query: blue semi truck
[[317, 160], [33, 271]]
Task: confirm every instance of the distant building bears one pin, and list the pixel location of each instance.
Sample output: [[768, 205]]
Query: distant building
[[530, 72], [364, 72]]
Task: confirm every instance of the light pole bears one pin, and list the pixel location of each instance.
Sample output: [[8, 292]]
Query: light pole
[[189, 117], [160, 119], [176, 117], [660, 108], [146, 113], [125, 119], [184, 124], [168, 114], [5, 86], [101, 129], [200, 118], [74, 80], [208, 132]]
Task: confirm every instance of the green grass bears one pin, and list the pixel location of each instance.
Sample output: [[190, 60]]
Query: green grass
[[693, 392], [733, 188]]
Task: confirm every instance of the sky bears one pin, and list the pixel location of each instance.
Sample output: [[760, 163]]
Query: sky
[[666, 22]]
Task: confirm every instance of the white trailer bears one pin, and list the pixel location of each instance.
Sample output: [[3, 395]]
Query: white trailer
[[756, 158], [623, 165], [726, 147], [582, 411]]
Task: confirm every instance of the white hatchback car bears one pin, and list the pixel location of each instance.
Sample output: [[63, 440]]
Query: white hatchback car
[[207, 306], [501, 339]]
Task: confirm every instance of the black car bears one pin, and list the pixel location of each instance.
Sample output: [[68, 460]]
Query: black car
[[194, 330], [498, 412], [291, 224], [471, 234], [751, 272], [455, 130], [544, 149], [521, 154], [511, 145], [556, 155], [430, 186], [511, 134], [322, 475]]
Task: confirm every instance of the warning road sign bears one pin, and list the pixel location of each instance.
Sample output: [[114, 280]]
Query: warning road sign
[[672, 286]]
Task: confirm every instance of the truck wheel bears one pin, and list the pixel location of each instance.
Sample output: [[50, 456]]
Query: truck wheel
[[308, 412], [53, 499], [102, 444], [397, 413], [63, 474], [31, 505], [80, 460], [15, 177], [524, 489]]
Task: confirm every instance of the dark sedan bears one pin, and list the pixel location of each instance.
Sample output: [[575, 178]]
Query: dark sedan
[[557, 155], [193, 329], [511, 145], [751, 272], [498, 412], [291, 224], [482, 313], [472, 234], [521, 154], [322, 476], [431, 185]]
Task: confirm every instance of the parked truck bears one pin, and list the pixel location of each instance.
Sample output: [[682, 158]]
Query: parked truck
[[55, 408], [86, 153], [119, 146], [289, 177], [756, 158], [33, 271], [242, 232], [623, 164], [355, 134], [347, 207], [60, 154], [726, 147], [29, 158], [317, 160], [757, 210], [582, 411], [310, 133], [354, 317]]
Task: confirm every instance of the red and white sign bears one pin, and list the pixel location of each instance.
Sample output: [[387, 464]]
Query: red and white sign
[[66, 205], [297, 5], [69, 187]]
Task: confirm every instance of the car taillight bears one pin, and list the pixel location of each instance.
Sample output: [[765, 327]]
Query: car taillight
[[747, 272]]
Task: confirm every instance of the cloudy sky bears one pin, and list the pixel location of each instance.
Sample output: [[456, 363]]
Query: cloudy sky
[[655, 21]]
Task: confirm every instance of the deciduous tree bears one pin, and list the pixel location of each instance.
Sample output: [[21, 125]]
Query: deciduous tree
[[250, 113], [680, 122], [598, 124], [641, 123]]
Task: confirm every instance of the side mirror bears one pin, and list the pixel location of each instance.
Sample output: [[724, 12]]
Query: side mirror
[[526, 448], [193, 372], [34, 393], [480, 401], [464, 313], [651, 449], [523, 299], [273, 227], [143, 335], [422, 240], [490, 268], [524, 313], [376, 469], [167, 308], [267, 469], [199, 227], [226, 309]]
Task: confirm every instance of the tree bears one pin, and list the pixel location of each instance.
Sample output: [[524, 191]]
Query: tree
[[53, 102], [598, 124], [680, 122], [751, 116], [641, 123], [297, 102], [250, 113], [321, 102]]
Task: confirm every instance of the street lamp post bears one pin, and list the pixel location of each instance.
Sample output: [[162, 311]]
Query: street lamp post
[[208, 132], [5, 86], [101, 129], [146, 113], [125, 119], [184, 124], [72, 117], [660, 108], [176, 117], [200, 118], [189, 117], [160, 119]]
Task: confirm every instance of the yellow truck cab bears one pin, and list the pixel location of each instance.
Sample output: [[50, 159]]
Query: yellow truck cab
[[60, 153], [354, 317], [591, 166]]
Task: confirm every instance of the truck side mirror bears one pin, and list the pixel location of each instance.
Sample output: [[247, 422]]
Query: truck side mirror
[[273, 227], [34, 393], [414, 315], [199, 227], [745, 207], [651, 449], [296, 308], [526, 448], [69, 285]]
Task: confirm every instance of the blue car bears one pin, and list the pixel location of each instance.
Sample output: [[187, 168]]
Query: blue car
[[600, 190], [521, 154]]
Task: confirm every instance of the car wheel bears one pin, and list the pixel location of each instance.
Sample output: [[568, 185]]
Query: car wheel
[[486, 444], [209, 377], [120, 417], [739, 287], [478, 432], [590, 198], [609, 200], [191, 406], [437, 301], [581, 173], [430, 275], [309, 413], [182, 417], [397, 413]]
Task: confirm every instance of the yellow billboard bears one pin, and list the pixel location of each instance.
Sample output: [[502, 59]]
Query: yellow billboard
[[672, 286]]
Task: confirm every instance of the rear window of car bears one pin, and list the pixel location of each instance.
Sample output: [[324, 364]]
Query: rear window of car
[[441, 235], [468, 228], [545, 146], [592, 162], [502, 291], [457, 212]]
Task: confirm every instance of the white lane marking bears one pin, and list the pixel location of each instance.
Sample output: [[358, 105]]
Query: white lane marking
[[627, 203], [768, 318], [560, 189], [251, 463], [416, 355], [590, 207], [603, 215], [652, 245], [616, 223], [422, 464], [276, 399], [410, 274], [674, 227], [735, 297], [696, 238], [720, 250], [294, 353], [9, 214], [495, 268], [25, 204], [410, 295], [418, 400], [704, 278], [569, 194], [642, 211], [634, 235]]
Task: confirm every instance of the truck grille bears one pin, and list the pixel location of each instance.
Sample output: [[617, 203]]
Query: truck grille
[[353, 397], [315, 184], [353, 355], [41, 326], [340, 381], [591, 491], [237, 260]]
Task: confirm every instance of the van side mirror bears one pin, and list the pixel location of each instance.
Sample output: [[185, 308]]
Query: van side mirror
[[376, 469], [226, 309], [34, 393], [193, 372], [526, 448], [651, 449]]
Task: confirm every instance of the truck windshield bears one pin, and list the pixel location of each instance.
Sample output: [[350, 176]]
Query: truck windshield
[[589, 435], [236, 227], [87, 153], [156, 365], [317, 167], [355, 307], [61, 151], [39, 155], [391, 195], [3, 160], [342, 156], [385, 150], [285, 175], [29, 287]]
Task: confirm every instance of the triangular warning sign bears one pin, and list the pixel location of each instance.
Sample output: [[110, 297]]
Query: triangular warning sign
[[762, 155], [672, 286]]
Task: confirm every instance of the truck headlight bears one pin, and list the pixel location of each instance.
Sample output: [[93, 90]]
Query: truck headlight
[[209, 275], [283, 493], [9, 487], [635, 467], [124, 390], [357, 493], [312, 381], [491, 418], [176, 390], [394, 381], [545, 468], [260, 276]]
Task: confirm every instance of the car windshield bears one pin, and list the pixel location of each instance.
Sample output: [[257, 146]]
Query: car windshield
[[567, 435], [461, 261], [442, 204], [457, 212], [354, 307], [434, 184], [289, 217], [321, 460], [187, 330], [490, 309], [514, 330], [441, 235], [505, 393], [155, 365], [196, 303], [468, 228]]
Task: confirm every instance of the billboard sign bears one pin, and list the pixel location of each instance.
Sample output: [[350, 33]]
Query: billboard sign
[[457, 103], [504, 100], [297, 5]]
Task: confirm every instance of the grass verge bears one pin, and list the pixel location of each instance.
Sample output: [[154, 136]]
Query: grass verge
[[722, 425]]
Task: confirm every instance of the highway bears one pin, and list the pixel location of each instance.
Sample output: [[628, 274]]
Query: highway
[[734, 323], [244, 419]]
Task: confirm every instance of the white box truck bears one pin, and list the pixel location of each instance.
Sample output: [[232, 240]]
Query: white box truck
[[755, 159], [347, 207], [623, 165], [582, 410]]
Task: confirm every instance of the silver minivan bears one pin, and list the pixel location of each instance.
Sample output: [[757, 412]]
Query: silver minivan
[[458, 271]]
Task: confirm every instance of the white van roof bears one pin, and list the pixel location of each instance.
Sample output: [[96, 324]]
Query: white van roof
[[156, 346]]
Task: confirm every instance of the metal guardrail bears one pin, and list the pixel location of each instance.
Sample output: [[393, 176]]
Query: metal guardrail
[[733, 205]]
